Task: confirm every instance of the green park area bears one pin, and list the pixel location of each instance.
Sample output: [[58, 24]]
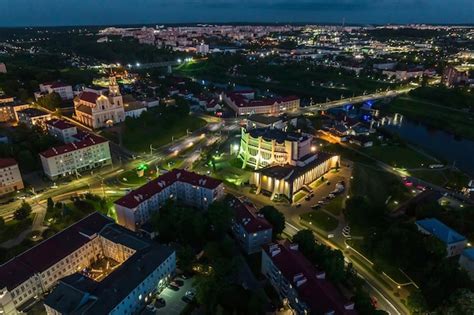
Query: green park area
[[320, 220], [158, 127], [335, 205], [304, 79], [399, 156]]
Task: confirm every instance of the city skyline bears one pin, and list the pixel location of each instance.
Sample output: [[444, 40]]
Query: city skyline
[[88, 12]]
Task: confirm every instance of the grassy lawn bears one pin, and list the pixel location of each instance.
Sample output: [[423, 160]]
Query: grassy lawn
[[140, 139], [12, 228], [335, 206], [456, 122], [299, 195], [377, 184], [321, 220], [398, 156], [131, 178], [228, 169], [442, 178], [380, 266]]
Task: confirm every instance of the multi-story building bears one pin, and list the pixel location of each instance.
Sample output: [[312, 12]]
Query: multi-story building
[[454, 242], [33, 117], [202, 49], [250, 228], [183, 186], [97, 109], [261, 147], [452, 76], [8, 108], [305, 288], [10, 177], [64, 90], [466, 261], [89, 151], [60, 267], [284, 162], [62, 130], [244, 103]]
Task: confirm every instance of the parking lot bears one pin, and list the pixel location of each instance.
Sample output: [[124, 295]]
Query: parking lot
[[174, 302]]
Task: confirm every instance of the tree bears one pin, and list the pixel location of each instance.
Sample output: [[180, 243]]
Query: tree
[[460, 302], [305, 240], [185, 258], [23, 212], [51, 101], [416, 302], [50, 204], [220, 217], [275, 218], [2, 222]]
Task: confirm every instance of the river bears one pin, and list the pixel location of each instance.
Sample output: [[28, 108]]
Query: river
[[439, 143]]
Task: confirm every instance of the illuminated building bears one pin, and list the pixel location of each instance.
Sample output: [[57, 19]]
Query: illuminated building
[[10, 176], [60, 267], [33, 117], [284, 162], [244, 103], [97, 109], [63, 90], [296, 279], [136, 208], [250, 228], [261, 147], [61, 130], [88, 151]]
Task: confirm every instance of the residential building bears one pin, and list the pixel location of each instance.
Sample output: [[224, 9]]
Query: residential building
[[454, 242], [134, 209], [202, 49], [62, 130], [60, 267], [87, 152], [453, 77], [466, 261], [8, 108], [10, 176], [250, 228], [132, 107], [33, 117], [98, 109], [260, 147], [3, 68], [264, 121], [64, 90], [297, 280], [244, 103]]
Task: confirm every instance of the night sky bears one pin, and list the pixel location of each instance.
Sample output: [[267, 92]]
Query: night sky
[[100, 12]]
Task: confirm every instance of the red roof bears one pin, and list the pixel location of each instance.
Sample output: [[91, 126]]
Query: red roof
[[87, 141], [59, 124], [320, 295], [7, 162], [241, 101], [136, 197], [246, 215], [58, 85], [49, 252], [89, 97]]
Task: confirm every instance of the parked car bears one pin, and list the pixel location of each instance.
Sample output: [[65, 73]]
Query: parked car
[[173, 287], [151, 308], [160, 302], [178, 282], [316, 206]]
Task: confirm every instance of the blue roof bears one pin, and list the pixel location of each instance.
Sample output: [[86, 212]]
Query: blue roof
[[469, 253], [440, 230]]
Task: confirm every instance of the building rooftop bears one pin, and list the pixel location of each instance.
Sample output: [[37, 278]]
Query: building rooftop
[[6, 162], [59, 124], [276, 134], [320, 295], [32, 112], [89, 97], [42, 256], [441, 231], [139, 195], [287, 172], [86, 141], [78, 294], [240, 100], [247, 216], [468, 253]]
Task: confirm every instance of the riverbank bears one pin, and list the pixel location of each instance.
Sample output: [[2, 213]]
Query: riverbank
[[452, 120]]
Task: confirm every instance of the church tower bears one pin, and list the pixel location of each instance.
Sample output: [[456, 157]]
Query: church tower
[[114, 92]]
